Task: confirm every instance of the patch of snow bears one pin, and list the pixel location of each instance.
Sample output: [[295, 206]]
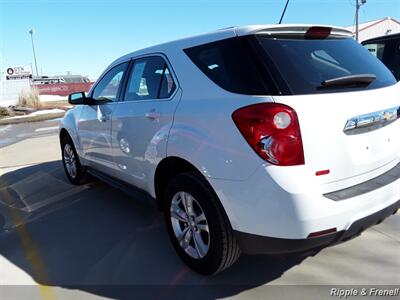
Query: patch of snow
[[47, 111], [37, 113], [51, 128], [7, 103], [50, 98]]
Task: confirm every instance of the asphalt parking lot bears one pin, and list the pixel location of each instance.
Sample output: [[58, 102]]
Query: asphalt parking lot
[[92, 241]]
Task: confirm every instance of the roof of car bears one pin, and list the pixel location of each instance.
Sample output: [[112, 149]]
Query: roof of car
[[285, 28], [228, 32]]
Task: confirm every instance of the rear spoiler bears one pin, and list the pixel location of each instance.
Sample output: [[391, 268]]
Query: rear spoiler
[[295, 30]]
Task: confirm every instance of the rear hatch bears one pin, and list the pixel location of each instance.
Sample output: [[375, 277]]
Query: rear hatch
[[346, 100], [357, 151]]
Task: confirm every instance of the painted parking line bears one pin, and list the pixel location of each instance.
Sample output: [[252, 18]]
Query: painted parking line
[[33, 257], [53, 120], [5, 128], [46, 128]]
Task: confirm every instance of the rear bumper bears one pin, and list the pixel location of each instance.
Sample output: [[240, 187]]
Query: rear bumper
[[290, 203], [256, 244]]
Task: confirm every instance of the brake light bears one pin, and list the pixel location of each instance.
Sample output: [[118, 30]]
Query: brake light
[[273, 131], [317, 32]]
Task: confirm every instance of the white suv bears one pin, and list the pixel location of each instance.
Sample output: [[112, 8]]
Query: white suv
[[258, 139]]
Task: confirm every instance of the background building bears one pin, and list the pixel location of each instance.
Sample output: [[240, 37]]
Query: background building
[[17, 80], [376, 28]]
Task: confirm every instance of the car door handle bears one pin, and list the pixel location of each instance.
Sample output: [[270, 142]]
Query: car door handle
[[152, 115], [103, 118]]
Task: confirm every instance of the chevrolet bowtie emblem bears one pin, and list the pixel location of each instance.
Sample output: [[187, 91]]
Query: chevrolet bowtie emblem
[[388, 116]]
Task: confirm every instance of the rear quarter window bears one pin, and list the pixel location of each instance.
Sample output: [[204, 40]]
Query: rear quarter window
[[230, 63]]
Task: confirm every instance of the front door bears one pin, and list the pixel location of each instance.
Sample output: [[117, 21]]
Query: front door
[[95, 120]]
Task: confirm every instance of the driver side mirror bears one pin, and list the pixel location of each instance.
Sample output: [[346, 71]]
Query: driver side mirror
[[79, 98]]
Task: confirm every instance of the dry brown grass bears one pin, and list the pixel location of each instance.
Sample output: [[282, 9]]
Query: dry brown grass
[[6, 112], [62, 104], [29, 99], [3, 111]]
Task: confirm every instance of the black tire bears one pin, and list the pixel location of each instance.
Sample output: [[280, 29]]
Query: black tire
[[223, 249], [80, 176]]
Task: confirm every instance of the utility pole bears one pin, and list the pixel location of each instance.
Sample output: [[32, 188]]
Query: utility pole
[[358, 5], [34, 53]]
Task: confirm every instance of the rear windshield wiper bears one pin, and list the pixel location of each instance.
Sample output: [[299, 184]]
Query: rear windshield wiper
[[361, 79]]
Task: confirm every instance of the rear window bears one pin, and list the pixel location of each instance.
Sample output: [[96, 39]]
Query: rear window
[[264, 65], [305, 64]]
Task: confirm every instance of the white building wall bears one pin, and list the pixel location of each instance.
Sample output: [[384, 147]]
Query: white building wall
[[383, 28], [376, 28], [10, 89]]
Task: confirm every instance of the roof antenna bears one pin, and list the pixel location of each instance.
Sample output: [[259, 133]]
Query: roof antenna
[[283, 13]]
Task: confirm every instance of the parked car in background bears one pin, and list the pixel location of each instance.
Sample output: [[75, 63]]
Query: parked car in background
[[258, 139], [387, 49], [60, 79]]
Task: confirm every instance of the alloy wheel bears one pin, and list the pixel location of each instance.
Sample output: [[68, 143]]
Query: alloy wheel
[[70, 160], [190, 225]]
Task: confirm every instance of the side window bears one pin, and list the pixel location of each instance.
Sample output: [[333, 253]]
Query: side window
[[396, 64], [391, 58], [376, 49], [167, 84], [149, 79], [108, 86]]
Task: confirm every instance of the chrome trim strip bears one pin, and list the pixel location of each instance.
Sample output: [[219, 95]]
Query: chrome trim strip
[[371, 121]]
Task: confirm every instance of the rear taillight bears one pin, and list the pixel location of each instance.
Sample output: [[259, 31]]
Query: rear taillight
[[273, 131]]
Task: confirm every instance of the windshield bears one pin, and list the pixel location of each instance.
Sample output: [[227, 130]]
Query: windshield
[[306, 64]]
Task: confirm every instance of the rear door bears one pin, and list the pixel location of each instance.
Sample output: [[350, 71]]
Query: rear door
[[142, 121]]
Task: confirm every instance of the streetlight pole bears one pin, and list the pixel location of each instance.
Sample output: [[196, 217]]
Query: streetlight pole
[[357, 9], [34, 53], [358, 5]]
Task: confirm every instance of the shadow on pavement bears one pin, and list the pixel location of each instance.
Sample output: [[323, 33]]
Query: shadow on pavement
[[97, 239]]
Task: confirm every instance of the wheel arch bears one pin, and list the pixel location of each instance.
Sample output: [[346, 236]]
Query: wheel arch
[[68, 130], [167, 169], [63, 133]]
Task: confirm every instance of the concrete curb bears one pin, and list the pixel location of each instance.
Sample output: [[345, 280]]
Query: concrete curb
[[37, 118]]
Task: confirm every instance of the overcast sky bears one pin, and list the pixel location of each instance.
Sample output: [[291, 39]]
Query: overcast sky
[[84, 36]]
